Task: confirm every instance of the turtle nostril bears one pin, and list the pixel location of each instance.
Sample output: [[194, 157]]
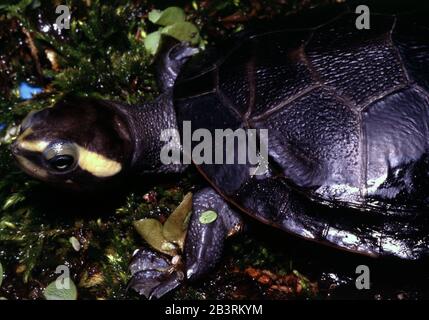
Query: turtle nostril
[[15, 148]]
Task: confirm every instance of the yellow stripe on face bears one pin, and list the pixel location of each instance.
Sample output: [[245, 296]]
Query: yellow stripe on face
[[96, 164], [34, 146]]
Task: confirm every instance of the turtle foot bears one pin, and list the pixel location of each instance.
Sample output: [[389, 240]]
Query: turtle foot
[[153, 274]]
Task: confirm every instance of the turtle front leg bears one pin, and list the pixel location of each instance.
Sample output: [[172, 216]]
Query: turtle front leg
[[172, 57], [212, 221], [205, 238]]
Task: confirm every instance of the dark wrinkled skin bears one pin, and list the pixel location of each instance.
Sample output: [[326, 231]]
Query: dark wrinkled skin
[[346, 111]]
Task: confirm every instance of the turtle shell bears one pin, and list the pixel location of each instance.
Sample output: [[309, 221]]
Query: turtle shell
[[347, 117]]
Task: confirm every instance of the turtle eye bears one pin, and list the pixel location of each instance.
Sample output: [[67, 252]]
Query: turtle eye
[[61, 163], [61, 156]]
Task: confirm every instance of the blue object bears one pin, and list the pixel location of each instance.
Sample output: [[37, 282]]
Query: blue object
[[2, 126], [26, 91]]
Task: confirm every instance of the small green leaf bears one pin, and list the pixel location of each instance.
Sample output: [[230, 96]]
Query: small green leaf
[[175, 227], [151, 231], [208, 217], [1, 274], [55, 292], [152, 41], [75, 243], [167, 17], [183, 31], [154, 15]]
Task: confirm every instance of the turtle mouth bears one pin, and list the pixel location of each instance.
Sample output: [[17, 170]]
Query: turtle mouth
[[30, 167]]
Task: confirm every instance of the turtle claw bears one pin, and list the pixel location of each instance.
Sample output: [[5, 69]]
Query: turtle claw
[[154, 283], [173, 55], [153, 275], [182, 51]]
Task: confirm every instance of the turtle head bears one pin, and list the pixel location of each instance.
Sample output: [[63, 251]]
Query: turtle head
[[78, 144]]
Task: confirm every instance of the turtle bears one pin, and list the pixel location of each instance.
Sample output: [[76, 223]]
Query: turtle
[[346, 113]]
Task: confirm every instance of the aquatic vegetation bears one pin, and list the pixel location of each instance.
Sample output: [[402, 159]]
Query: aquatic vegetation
[[208, 217], [55, 292], [169, 237], [172, 22]]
